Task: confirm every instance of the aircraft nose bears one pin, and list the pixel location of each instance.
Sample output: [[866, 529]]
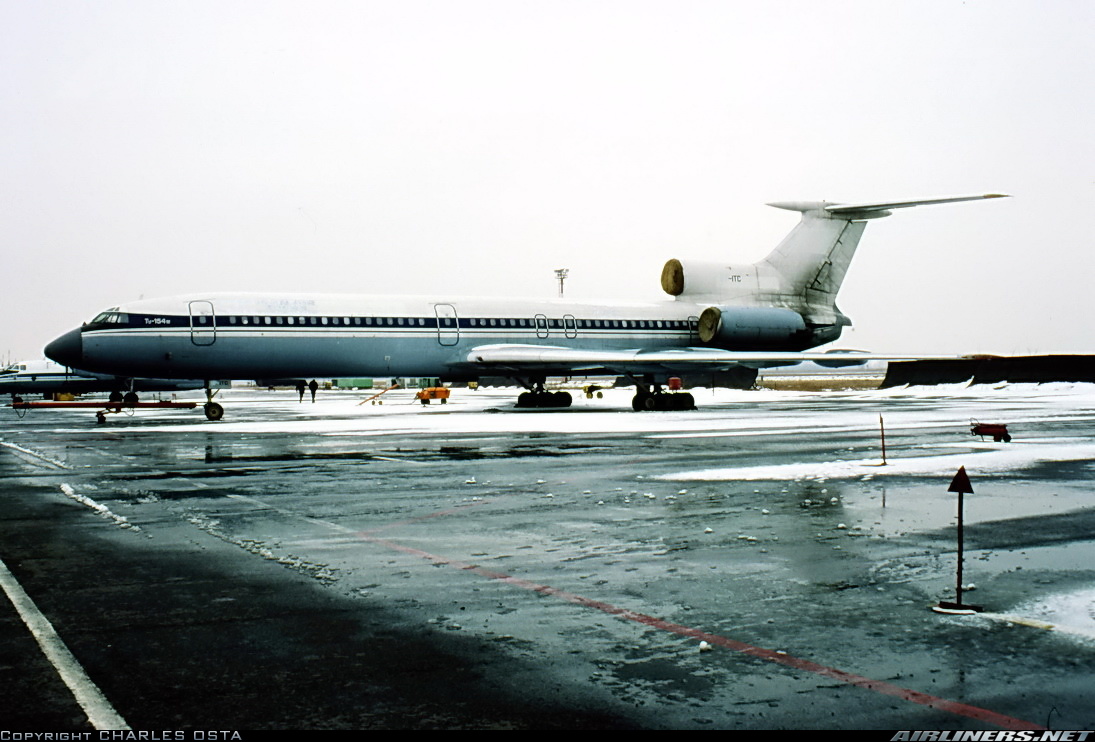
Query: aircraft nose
[[68, 350]]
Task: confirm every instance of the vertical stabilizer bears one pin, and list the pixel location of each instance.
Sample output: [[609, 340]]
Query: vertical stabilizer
[[813, 259], [811, 262]]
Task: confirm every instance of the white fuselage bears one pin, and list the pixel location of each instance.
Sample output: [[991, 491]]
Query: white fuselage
[[269, 335]]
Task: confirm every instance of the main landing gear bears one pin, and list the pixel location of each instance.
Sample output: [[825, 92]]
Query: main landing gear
[[213, 410], [538, 397], [650, 398]]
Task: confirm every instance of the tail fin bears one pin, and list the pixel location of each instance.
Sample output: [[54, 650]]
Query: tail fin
[[811, 262]]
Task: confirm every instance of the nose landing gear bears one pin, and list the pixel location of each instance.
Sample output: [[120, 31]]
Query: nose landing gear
[[213, 410]]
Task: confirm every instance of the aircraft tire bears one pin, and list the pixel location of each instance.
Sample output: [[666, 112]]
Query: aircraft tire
[[115, 397], [213, 411], [130, 399], [562, 399]]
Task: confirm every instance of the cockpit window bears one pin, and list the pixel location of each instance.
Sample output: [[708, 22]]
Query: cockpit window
[[110, 317]]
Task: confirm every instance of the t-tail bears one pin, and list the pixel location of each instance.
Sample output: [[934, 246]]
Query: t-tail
[[790, 296]]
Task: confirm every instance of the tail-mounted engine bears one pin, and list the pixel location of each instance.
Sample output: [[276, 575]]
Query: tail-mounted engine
[[752, 327], [695, 279]]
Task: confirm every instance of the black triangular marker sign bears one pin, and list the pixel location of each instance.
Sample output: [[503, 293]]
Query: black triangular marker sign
[[961, 482]]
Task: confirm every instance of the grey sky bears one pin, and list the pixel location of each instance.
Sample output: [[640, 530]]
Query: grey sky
[[155, 148]]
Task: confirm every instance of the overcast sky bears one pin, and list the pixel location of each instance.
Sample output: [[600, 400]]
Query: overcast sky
[[470, 148]]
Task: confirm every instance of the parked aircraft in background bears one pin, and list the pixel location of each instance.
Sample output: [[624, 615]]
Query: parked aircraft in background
[[721, 315], [48, 378]]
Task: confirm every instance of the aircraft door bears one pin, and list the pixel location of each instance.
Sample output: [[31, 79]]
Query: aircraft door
[[693, 329], [448, 324], [203, 323], [570, 326], [541, 323]]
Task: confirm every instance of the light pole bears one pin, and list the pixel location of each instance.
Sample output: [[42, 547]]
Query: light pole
[[561, 274]]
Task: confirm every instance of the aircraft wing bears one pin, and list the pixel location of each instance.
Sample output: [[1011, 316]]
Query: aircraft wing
[[555, 360]]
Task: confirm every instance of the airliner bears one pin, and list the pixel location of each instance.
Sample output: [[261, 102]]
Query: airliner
[[720, 315], [47, 377]]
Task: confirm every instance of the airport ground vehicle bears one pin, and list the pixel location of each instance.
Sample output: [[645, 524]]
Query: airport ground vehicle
[[998, 431]]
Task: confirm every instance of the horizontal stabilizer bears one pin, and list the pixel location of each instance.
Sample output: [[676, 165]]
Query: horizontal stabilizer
[[845, 208], [873, 209]]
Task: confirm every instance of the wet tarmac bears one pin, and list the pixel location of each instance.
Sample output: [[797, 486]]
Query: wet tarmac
[[749, 565]]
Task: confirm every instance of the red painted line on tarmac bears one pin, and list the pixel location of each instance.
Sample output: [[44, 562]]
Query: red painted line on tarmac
[[438, 514], [878, 686]]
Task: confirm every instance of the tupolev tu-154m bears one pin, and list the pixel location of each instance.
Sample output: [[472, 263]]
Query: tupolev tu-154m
[[721, 315]]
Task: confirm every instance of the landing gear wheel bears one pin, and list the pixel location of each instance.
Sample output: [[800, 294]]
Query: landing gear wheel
[[130, 399], [213, 411], [100, 418], [541, 399], [662, 402], [115, 397], [681, 401]]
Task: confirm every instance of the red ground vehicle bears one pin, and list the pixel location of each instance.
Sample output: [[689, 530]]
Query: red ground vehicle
[[433, 392], [998, 431]]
